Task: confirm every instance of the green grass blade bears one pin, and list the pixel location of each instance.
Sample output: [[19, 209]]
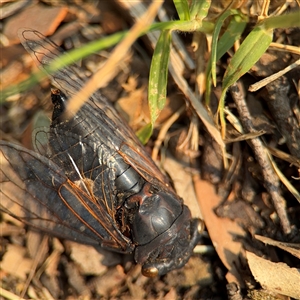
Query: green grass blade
[[158, 76], [199, 9], [145, 133], [283, 21], [252, 48], [214, 45], [182, 9], [232, 33]]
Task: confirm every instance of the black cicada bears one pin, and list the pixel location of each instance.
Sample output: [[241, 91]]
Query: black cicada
[[94, 183]]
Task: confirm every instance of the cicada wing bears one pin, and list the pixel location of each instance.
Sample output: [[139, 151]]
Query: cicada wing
[[40, 138], [36, 191], [96, 120], [44, 51], [81, 158], [125, 141], [29, 186], [94, 218]]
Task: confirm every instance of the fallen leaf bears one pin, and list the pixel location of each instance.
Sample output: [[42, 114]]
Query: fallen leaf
[[87, 258], [292, 248], [183, 183], [276, 277], [45, 19], [15, 263], [222, 231]]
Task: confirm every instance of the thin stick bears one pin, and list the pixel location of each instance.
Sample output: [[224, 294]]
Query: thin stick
[[271, 181], [9, 295], [35, 264], [258, 85]]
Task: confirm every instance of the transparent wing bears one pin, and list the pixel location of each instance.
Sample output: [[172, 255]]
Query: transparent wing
[[36, 191], [44, 51]]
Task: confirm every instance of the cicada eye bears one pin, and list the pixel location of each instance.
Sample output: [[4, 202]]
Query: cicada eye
[[150, 272]]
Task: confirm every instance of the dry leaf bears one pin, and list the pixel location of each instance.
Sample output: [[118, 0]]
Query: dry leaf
[[183, 182], [87, 258], [292, 248], [44, 18], [111, 280], [276, 277], [15, 263], [222, 231]]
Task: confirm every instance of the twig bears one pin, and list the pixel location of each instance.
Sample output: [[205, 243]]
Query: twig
[[270, 179], [35, 264], [8, 295], [258, 85]]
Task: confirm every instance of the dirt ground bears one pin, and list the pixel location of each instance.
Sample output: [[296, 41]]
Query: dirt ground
[[250, 247]]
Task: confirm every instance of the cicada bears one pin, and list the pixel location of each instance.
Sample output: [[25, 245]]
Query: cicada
[[93, 182]]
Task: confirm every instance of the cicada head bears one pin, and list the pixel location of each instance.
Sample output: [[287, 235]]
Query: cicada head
[[164, 232]]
